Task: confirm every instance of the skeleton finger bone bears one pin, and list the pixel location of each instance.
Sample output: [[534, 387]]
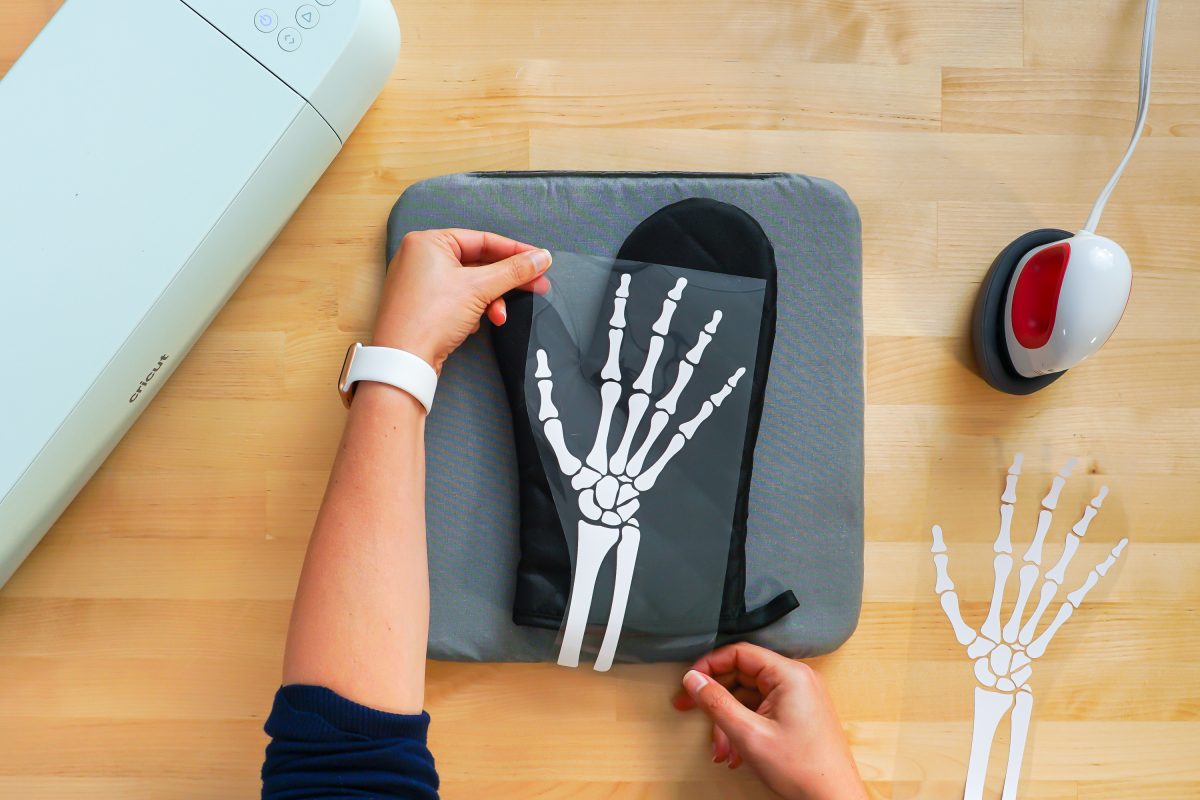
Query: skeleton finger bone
[[1050, 501], [1004, 536], [688, 366], [616, 332], [657, 423], [690, 427], [1089, 513], [622, 294], [1099, 571], [548, 415], [683, 375], [610, 393], [567, 463], [647, 479], [1001, 566], [1034, 554], [1038, 646], [1028, 577], [546, 408], [1074, 599], [1049, 589], [963, 632], [663, 324], [1059, 570], [637, 409], [645, 381], [1010, 482]]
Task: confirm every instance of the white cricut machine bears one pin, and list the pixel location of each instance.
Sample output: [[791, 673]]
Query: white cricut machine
[[150, 150]]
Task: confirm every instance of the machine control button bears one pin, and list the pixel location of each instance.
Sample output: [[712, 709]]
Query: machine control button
[[266, 20], [325, 2], [289, 39], [307, 16]]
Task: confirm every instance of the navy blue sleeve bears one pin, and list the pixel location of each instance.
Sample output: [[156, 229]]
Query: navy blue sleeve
[[325, 747]]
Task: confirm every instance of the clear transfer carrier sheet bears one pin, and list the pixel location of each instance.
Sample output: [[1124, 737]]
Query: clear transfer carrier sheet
[[637, 383]]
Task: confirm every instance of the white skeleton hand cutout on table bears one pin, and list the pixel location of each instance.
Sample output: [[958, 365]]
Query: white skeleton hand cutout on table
[[1004, 655], [609, 484]]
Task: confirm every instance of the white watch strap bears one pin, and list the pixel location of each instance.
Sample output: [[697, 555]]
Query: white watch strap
[[398, 368]]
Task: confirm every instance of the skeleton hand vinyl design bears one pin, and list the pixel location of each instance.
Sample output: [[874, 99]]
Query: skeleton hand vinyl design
[[1004, 655], [609, 485]]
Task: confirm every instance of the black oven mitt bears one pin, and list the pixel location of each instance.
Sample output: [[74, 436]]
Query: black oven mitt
[[699, 234]]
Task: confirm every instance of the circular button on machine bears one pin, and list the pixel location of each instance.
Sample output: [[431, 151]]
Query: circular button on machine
[[289, 39], [325, 2], [265, 20], [307, 16]]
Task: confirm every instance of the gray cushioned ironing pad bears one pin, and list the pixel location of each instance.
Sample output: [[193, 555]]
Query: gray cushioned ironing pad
[[806, 501]]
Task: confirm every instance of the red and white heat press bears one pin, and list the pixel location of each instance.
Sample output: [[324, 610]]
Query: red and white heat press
[[1051, 299]]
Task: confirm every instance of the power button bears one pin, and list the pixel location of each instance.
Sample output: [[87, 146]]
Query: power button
[[265, 20]]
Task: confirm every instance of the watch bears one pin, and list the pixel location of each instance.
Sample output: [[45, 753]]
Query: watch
[[389, 365]]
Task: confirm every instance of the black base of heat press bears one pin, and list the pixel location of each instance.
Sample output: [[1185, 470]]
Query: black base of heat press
[[987, 321]]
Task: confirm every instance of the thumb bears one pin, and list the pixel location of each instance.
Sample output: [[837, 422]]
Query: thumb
[[504, 276], [737, 721]]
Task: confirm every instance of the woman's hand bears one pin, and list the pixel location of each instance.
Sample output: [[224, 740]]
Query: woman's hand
[[442, 282], [774, 714]]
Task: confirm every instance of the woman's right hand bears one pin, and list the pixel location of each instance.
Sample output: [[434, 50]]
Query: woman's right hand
[[775, 715]]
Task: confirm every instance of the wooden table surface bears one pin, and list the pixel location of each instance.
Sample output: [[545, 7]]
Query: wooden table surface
[[140, 644]]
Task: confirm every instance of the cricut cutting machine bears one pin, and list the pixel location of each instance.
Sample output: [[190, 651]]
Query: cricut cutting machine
[[150, 150]]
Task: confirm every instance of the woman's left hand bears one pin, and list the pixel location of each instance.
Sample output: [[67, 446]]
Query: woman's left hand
[[442, 282]]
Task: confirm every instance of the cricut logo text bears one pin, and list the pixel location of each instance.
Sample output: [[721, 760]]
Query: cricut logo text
[[149, 377]]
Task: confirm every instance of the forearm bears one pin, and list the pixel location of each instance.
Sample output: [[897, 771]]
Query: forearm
[[361, 616]]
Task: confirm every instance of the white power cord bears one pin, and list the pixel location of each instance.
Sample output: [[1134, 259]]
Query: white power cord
[[1143, 106]]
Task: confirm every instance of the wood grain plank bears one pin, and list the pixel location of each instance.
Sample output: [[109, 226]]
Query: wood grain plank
[[902, 166], [140, 644], [632, 92], [975, 32], [1087, 102], [1107, 34]]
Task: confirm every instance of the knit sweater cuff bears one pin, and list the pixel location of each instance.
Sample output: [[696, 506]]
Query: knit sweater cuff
[[328, 715]]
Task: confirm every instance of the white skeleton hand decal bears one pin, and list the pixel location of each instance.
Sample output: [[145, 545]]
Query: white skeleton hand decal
[[609, 485], [1004, 655]]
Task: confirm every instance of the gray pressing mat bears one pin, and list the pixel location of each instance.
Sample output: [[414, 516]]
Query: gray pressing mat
[[806, 499]]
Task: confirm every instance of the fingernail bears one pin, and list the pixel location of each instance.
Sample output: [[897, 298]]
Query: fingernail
[[541, 259], [694, 681]]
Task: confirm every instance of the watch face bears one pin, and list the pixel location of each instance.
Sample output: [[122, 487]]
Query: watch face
[[347, 392]]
